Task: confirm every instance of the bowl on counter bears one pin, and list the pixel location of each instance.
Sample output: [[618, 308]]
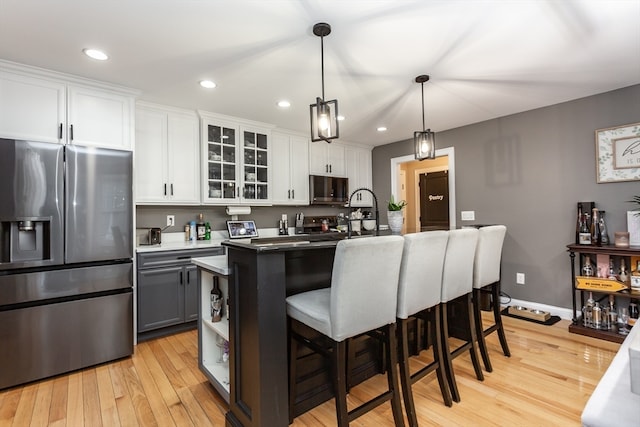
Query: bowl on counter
[[369, 224]]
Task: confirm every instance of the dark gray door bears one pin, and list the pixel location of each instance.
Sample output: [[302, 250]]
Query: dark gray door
[[160, 298], [434, 201], [99, 205]]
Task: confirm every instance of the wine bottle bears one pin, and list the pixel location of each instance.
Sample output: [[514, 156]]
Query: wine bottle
[[603, 229], [623, 274], [579, 224], [200, 228], [612, 270], [216, 301], [207, 231], [585, 234]]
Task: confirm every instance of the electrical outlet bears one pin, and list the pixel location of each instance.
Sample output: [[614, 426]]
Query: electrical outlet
[[171, 220], [468, 215], [520, 278]]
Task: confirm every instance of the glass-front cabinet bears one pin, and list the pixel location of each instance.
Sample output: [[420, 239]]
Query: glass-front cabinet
[[236, 161]]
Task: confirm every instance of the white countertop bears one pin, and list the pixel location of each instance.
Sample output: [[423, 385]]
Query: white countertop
[[176, 242], [216, 264]]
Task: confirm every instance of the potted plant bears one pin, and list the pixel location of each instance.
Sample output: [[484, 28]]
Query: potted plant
[[394, 215]]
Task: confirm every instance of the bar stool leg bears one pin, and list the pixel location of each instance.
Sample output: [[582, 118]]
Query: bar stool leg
[[392, 373], [405, 373], [438, 355], [473, 349], [446, 350], [495, 295], [340, 382], [482, 344]]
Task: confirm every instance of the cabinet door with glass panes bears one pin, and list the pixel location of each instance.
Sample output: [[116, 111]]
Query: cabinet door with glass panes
[[220, 162], [255, 165]]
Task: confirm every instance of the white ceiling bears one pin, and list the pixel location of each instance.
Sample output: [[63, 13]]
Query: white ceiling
[[486, 59]]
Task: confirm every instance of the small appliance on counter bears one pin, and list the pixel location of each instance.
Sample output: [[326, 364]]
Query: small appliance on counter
[[148, 236], [316, 224]]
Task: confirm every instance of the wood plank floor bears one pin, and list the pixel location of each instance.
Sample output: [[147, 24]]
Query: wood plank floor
[[546, 381]]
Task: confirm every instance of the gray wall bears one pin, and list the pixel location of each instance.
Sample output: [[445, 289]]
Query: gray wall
[[527, 171]]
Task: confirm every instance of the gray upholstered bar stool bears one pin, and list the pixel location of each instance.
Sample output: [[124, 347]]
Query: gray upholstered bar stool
[[419, 297], [362, 298], [486, 278], [457, 281]]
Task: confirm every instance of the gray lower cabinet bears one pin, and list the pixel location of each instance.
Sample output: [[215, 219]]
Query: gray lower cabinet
[[167, 290]]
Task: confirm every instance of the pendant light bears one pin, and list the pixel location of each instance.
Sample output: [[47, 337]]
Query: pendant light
[[324, 123], [424, 141]]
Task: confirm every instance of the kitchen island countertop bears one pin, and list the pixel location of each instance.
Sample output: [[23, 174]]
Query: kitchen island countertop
[[217, 264]]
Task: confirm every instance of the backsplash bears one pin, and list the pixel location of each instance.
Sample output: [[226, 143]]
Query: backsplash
[[264, 216]]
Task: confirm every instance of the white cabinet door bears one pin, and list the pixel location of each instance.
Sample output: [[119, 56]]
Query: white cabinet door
[[326, 159], [167, 156], [281, 182], [184, 158], [99, 118], [299, 170], [151, 156], [31, 108], [290, 184], [236, 161], [358, 168]]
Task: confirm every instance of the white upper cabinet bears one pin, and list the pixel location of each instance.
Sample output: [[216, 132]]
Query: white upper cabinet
[[31, 108], [99, 118], [358, 165], [327, 159], [46, 106], [236, 160], [290, 169], [167, 161]]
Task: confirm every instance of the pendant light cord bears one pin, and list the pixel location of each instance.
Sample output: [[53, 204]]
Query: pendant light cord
[[423, 126], [322, 64]]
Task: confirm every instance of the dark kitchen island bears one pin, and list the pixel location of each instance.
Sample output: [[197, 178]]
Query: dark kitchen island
[[263, 272]]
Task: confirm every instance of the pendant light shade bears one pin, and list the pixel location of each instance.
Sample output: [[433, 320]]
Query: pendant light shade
[[324, 114], [424, 141]]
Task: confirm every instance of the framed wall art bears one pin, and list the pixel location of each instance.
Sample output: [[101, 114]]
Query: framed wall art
[[618, 153]]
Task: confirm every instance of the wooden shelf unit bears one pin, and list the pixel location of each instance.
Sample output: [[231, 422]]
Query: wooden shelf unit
[[578, 294]]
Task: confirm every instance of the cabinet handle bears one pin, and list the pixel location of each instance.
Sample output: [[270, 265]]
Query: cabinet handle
[[71, 132], [172, 189], [289, 194], [188, 277], [181, 278], [326, 168], [293, 194], [165, 188], [330, 169], [60, 131]]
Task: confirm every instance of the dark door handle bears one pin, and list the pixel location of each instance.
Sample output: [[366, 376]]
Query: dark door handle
[[188, 277], [165, 188], [293, 194], [71, 132], [60, 131], [172, 189], [181, 279], [330, 168]]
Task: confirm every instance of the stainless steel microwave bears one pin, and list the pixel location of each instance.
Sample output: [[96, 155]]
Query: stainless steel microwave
[[328, 190]]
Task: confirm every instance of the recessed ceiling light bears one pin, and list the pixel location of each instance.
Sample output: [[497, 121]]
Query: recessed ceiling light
[[341, 118], [96, 54], [208, 84], [284, 104], [382, 129]]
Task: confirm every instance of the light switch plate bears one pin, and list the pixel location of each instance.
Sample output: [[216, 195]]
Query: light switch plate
[[468, 215]]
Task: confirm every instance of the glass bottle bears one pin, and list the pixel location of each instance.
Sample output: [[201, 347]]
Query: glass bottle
[[633, 309], [623, 274], [200, 228], [207, 231], [587, 268], [612, 270], [603, 229], [588, 311], [579, 224], [584, 235], [596, 316], [613, 313], [596, 235], [216, 301]]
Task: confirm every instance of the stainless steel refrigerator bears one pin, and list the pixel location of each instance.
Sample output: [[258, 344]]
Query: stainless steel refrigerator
[[66, 250]]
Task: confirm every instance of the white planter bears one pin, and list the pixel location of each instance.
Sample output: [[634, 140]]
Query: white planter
[[395, 218]]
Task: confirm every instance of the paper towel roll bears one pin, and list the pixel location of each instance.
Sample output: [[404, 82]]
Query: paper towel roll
[[238, 210]]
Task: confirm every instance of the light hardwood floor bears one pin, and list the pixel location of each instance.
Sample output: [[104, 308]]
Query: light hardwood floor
[[546, 381]]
